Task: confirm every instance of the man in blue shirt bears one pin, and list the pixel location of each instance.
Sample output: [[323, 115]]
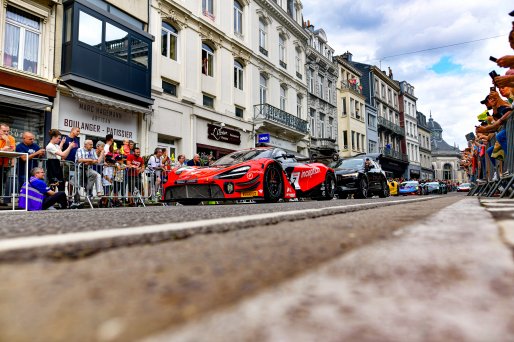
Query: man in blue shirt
[[27, 145], [51, 197]]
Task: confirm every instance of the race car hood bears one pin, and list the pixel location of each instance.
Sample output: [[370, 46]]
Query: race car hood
[[345, 171], [190, 173]]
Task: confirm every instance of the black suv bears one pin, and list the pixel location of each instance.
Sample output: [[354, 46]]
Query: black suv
[[360, 176]]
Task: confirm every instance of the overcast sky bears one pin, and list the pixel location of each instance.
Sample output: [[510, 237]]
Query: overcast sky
[[450, 81]]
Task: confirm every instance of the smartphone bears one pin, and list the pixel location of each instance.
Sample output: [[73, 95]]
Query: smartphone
[[493, 59], [492, 89], [493, 74]]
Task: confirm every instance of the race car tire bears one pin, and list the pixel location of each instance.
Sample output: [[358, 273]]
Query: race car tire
[[385, 190], [330, 184], [363, 189], [273, 184], [189, 202]]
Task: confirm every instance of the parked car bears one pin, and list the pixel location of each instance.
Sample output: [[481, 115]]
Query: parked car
[[265, 173], [360, 176], [464, 187], [432, 188], [409, 188]]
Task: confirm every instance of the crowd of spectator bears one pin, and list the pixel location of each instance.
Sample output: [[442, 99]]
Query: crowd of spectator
[[484, 158], [116, 175]]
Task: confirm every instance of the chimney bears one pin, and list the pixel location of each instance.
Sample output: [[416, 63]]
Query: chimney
[[347, 56]]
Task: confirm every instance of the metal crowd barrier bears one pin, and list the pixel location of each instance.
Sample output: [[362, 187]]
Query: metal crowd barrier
[[97, 185], [9, 182]]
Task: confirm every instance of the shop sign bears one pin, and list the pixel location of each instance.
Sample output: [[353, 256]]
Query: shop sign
[[264, 138], [96, 119], [223, 134]]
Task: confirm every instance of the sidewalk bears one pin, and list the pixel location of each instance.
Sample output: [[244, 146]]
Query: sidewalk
[[450, 278]]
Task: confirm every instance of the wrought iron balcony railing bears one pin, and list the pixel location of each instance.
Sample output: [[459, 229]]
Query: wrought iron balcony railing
[[268, 112], [352, 86], [324, 142], [391, 126], [388, 152]]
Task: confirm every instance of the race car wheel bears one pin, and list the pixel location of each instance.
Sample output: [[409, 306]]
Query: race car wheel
[[330, 187], [363, 189], [385, 190], [273, 184]]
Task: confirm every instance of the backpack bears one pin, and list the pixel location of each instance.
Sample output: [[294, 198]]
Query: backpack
[[146, 159]]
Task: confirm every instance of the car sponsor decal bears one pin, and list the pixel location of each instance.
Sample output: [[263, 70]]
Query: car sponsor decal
[[295, 178], [249, 194], [250, 175], [310, 173]]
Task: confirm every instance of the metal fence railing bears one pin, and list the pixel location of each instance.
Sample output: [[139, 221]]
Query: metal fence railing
[[97, 185]]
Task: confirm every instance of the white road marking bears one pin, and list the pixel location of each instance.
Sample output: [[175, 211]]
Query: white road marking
[[24, 243]]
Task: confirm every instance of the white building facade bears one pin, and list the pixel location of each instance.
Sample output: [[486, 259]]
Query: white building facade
[[215, 63]]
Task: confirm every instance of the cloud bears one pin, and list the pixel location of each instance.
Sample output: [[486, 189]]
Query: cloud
[[449, 82]]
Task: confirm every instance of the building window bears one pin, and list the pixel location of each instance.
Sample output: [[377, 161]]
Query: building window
[[239, 112], [263, 89], [207, 60], [208, 101], [169, 88], [283, 97], [372, 145], [116, 42], [321, 80], [282, 51], [22, 40], [353, 140], [310, 76], [299, 108], [330, 128], [169, 39], [298, 63], [383, 91], [321, 126], [372, 121], [238, 75], [344, 106], [345, 140], [90, 30], [262, 37], [238, 18], [329, 89], [352, 107], [208, 8], [313, 121], [139, 52]]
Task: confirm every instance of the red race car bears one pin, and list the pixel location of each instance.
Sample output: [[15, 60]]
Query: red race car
[[264, 173]]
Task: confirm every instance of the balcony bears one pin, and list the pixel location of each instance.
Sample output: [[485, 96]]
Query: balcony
[[390, 153], [352, 86], [324, 143], [298, 75], [278, 120], [263, 51], [383, 122], [283, 64]]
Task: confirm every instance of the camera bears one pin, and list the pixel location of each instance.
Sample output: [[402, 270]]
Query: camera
[[493, 74]]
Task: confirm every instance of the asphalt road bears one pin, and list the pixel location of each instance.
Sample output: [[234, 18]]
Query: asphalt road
[[127, 293]]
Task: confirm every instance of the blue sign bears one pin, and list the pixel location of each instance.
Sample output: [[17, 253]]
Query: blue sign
[[264, 138]]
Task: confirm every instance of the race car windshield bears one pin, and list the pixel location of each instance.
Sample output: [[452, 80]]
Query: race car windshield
[[242, 156], [347, 164]]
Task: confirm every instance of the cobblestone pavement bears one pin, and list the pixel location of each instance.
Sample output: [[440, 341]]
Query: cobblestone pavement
[[125, 294]]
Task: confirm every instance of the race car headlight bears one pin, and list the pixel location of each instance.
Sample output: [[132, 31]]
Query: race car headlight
[[234, 173], [350, 175]]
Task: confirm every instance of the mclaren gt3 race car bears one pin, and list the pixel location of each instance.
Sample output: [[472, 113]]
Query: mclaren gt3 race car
[[265, 173]]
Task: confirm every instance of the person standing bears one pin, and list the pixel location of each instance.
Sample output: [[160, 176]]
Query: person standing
[[196, 161], [155, 169], [33, 151], [54, 155], [7, 144], [69, 163], [136, 166]]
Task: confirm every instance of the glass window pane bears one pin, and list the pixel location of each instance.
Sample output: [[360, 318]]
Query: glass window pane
[[116, 41], [139, 52], [173, 47], [164, 43], [23, 18], [12, 46], [31, 52], [90, 30], [67, 25]]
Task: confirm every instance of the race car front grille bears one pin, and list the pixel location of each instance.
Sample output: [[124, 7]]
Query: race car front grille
[[194, 191]]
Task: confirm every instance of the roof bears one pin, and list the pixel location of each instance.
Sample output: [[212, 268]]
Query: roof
[[434, 125]]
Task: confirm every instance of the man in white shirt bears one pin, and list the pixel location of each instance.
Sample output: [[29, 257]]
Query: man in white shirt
[[86, 156]]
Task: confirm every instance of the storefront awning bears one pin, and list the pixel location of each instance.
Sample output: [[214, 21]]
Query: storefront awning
[[23, 99], [94, 97]]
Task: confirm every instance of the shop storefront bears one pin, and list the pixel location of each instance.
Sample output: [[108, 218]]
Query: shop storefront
[[414, 172], [98, 116]]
